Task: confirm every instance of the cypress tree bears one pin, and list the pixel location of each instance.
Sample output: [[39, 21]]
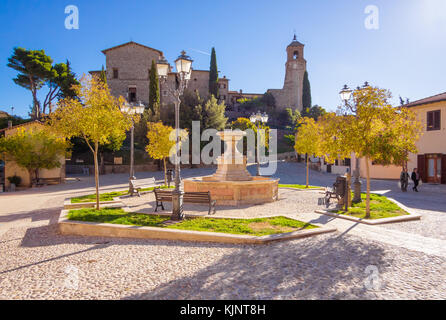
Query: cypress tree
[[154, 88], [306, 93], [213, 75], [103, 76]]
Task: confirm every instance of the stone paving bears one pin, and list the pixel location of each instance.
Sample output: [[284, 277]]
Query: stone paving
[[37, 263]]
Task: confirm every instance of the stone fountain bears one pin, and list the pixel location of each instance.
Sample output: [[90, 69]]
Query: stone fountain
[[232, 184]]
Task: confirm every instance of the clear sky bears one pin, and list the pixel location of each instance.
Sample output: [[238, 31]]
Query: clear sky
[[406, 55]]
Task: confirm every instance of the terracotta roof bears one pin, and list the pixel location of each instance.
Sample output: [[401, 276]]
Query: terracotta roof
[[131, 42], [428, 100]]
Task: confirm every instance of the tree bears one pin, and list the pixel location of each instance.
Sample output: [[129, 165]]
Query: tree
[[95, 116], [306, 92], [103, 75], [213, 115], [213, 75], [34, 149], [34, 68], [308, 141], [154, 91], [159, 146], [376, 132], [293, 117], [60, 84], [314, 112]]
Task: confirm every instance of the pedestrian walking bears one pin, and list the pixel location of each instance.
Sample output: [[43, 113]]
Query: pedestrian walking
[[416, 179], [404, 179]]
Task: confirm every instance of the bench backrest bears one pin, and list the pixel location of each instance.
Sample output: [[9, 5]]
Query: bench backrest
[[143, 182], [187, 196]]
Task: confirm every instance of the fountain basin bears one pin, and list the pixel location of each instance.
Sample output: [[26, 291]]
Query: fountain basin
[[233, 193]]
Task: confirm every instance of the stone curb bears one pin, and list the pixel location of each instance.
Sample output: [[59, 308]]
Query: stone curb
[[83, 228], [410, 217]]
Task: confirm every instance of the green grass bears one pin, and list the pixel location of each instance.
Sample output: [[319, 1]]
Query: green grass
[[297, 186], [254, 227], [107, 196], [380, 207]]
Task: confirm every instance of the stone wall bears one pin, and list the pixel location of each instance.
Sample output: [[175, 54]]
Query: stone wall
[[133, 63]]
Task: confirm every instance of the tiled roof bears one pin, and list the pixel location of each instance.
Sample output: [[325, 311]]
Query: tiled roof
[[436, 98], [131, 42]]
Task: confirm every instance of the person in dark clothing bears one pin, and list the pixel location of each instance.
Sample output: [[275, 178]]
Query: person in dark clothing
[[404, 179], [416, 179]]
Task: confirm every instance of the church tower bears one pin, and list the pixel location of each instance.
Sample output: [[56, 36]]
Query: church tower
[[291, 94], [294, 73]]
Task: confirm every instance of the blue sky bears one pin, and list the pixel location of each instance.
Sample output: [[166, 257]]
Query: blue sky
[[406, 55]]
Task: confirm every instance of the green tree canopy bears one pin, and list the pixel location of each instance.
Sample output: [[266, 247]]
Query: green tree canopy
[[306, 92], [96, 117], [34, 149], [213, 75]]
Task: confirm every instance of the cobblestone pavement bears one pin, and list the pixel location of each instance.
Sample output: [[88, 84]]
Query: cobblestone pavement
[[38, 263]]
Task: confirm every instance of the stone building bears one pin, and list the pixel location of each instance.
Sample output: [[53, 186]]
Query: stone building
[[290, 96], [128, 65], [127, 70]]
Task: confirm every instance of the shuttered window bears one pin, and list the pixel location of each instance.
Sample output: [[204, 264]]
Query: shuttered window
[[434, 120]]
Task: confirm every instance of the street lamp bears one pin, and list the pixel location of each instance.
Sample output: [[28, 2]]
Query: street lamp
[[184, 69], [258, 118], [132, 109], [346, 95]]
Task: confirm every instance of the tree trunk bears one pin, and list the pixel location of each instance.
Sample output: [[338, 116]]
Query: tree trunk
[[96, 173], [308, 169], [165, 172], [367, 202]]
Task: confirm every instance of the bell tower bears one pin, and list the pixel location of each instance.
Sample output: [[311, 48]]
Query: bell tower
[[294, 74]]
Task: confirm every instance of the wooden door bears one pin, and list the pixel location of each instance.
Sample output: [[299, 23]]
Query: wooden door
[[443, 168], [433, 168], [422, 167]]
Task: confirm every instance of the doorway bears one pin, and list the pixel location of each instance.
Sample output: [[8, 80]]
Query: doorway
[[433, 166]]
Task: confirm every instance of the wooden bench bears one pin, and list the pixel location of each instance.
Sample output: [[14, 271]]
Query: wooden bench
[[188, 197], [138, 184]]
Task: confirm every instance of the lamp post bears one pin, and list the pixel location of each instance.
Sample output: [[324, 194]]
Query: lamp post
[[183, 65], [258, 118], [132, 109], [347, 97]]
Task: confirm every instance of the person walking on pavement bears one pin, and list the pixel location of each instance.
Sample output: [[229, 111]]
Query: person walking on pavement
[[416, 179], [404, 179]]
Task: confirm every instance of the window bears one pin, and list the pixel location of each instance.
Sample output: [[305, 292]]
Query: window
[[115, 73], [132, 94], [433, 120], [296, 54]]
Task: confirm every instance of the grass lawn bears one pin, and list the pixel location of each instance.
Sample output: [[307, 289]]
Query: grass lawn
[[254, 227], [297, 186], [380, 207], [107, 196]]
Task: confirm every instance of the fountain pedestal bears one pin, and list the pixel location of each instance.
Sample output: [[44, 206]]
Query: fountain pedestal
[[232, 184]]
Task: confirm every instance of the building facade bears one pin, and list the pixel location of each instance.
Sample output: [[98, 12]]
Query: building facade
[[128, 68], [431, 157]]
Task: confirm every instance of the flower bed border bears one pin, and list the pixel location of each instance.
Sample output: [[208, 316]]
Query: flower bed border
[[94, 229]]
